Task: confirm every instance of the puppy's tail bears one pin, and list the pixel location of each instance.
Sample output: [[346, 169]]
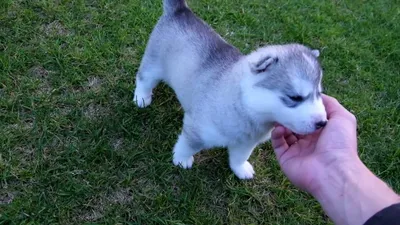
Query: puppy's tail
[[171, 6]]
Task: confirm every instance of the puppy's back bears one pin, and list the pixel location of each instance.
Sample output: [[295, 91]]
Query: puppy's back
[[191, 53]]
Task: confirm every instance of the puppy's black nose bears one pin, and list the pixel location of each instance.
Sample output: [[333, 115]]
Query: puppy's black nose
[[321, 124]]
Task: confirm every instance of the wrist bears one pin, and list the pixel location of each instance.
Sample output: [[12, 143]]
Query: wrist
[[350, 193], [338, 175]]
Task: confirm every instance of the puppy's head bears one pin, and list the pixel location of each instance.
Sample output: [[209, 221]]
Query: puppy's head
[[284, 83]]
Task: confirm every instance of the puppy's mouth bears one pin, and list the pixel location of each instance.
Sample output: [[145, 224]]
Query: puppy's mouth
[[299, 132]]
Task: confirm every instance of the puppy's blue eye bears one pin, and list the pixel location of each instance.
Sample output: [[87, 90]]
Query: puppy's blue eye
[[296, 98]]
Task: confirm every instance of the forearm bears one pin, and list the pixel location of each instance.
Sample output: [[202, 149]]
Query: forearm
[[351, 194]]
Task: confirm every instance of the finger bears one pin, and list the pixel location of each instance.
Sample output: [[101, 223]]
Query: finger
[[333, 107], [335, 111], [290, 137], [278, 141], [300, 136]]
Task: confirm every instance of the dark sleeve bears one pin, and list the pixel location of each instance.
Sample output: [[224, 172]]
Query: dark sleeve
[[387, 216]]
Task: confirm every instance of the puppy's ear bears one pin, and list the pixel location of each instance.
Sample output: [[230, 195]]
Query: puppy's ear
[[315, 52], [262, 64]]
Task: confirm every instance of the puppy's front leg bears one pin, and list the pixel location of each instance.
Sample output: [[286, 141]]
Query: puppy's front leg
[[238, 156], [145, 82], [184, 150], [267, 136]]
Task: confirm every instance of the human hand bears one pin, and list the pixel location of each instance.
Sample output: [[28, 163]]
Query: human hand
[[306, 159], [326, 165]]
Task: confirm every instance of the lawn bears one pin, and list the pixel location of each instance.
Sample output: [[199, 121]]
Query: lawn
[[74, 149]]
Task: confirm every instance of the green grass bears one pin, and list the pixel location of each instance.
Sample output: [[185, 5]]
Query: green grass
[[74, 149]]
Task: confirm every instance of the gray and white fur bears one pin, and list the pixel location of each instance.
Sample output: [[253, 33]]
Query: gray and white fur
[[229, 99]]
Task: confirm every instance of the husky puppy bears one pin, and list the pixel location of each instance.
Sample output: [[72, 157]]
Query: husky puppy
[[229, 99]]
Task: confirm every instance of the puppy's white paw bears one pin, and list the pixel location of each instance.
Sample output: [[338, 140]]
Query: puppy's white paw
[[184, 162], [142, 100], [244, 171]]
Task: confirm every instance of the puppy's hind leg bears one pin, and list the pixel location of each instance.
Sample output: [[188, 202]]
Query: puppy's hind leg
[[238, 156], [147, 78]]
